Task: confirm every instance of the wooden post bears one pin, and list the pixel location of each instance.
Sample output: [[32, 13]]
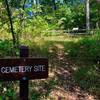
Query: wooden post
[[24, 52]]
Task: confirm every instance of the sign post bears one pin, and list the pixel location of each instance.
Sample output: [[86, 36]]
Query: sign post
[[23, 69], [24, 52]]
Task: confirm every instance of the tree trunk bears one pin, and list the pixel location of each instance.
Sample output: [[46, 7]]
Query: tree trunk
[[24, 5], [54, 4], [87, 16], [37, 2], [98, 1], [11, 23]]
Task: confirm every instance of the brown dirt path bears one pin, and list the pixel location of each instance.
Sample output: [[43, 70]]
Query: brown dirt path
[[63, 69]]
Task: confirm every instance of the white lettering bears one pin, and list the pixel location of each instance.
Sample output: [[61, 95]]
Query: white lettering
[[7, 70], [2, 70], [39, 68], [43, 68], [16, 69], [35, 68], [22, 69], [30, 68]]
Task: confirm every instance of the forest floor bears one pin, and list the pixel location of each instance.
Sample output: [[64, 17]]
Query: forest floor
[[61, 83], [62, 69], [66, 88]]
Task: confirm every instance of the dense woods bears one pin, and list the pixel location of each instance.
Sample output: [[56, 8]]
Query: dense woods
[[52, 14], [67, 32]]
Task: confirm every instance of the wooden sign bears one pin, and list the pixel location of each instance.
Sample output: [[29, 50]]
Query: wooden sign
[[23, 68]]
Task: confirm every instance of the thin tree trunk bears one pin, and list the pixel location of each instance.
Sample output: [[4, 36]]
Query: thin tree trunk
[[11, 23], [87, 16], [36, 2], [24, 5], [54, 4], [98, 1]]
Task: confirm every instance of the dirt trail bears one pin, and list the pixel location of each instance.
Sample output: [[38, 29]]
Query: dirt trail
[[63, 69]]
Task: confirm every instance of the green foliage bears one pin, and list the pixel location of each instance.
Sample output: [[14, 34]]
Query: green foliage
[[36, 26], [45, 18], [5, 48], [44, 89], [94, 13], [87, 78], [50, 86], [36, 95], [79, 15], [64, 16], [7, 91], [86, 47]]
